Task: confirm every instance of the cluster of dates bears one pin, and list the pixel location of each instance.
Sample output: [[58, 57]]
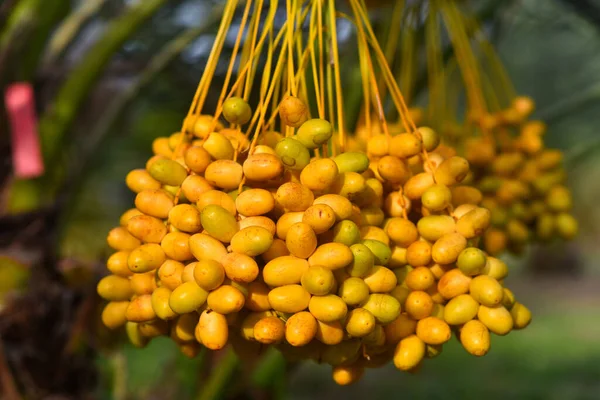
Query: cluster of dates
[[352, 260], [522, 181]]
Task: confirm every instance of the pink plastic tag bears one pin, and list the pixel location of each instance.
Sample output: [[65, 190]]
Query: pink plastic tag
[[26, 153]]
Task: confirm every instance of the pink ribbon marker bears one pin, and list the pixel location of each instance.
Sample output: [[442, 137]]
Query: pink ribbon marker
[[26, 153]]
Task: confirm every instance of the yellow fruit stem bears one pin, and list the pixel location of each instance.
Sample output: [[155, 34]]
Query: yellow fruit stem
[[261, 110], [491, 93], [202, 89], [290, 6], [370, 78], [336, 70], [303, 54], [396, 27], [362, 18], [268, 79], [453, 90], [321, 55], [330, 105], [464, 55], [298, 79], [234, 52], [212, 62], [250, 47], [436, 76], [259, 116], [362, 21], [393, 36], [246, 74], [406, 76], [363, 48], [313, 59], [289, 44], [466, 60], [498, 71], [274, 104]]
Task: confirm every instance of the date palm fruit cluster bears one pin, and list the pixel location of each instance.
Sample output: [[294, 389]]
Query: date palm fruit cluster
[[434, 225], [522, 182], [312, 255], [286, 260], [350, 258]]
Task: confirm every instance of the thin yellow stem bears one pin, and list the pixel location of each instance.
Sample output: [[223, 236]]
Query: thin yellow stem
[[267, 78], [395, 29], [466, 61], [363, 48], [248, 46], [337, 75], [262, 109], [393, 37], [248, 67], [268, 23], [298, 78], [377, 98], [234, 53], [397, 98], [291, 14], [313, 60], [275, 105], [501, 76], [254, 25], [212, 59], [264, 84], [260, 112], [491, 93], [437, 95], [330, 105], [215, 53], [321, 55], [406, 75]]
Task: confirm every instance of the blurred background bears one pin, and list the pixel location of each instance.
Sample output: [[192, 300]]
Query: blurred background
[[112, 75]]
